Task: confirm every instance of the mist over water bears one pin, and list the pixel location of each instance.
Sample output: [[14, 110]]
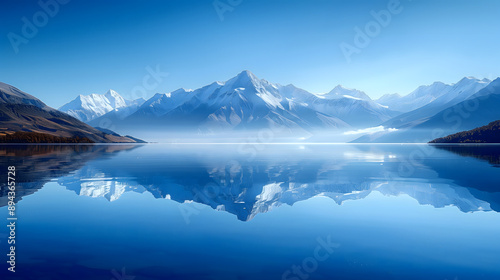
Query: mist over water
[[261, 136]]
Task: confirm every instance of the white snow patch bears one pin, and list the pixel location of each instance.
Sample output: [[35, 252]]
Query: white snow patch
[[271, 100], [269, 191], [351, 97]]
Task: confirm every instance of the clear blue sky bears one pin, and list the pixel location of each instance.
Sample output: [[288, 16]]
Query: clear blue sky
[[91, 46]]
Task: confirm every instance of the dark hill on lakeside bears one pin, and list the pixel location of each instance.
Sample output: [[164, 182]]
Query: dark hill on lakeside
[[26, 119], [486, 134]]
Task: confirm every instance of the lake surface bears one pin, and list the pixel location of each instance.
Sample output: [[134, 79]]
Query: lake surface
[[249, 211]]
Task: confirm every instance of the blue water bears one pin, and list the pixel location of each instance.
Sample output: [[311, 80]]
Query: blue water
[[254, 212]]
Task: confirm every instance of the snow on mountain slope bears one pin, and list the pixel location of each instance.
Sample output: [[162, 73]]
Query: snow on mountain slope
[[388, 98], [89, 107], [245, 102], [422, 96], [462, 90], [159, 104], [121, 113], [359, 113], [115, 100], [457, 93], [342, 92], [352, 106], [479, 109]]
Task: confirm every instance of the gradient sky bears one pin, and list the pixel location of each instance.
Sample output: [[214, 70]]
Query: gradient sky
[[91, 46]]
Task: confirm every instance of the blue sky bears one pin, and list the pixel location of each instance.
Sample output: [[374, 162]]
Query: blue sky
[[91, 46]]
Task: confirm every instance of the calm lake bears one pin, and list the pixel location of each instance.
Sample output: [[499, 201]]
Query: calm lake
[[248, 211]]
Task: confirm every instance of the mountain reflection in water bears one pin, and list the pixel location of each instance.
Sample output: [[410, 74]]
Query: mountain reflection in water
[[229, 180]]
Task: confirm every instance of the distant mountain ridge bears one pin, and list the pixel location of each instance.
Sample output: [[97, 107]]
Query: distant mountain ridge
[[436, 93], [422, 96], [480, 108], [89, 107], [452, 95], [340, 91]]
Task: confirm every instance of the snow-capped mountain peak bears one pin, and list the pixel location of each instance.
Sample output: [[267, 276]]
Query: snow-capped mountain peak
[[89, 107], [115, 100], [243, 79], [435, 89], [112, 93], [388, 97], [246, 76], [341, 91]]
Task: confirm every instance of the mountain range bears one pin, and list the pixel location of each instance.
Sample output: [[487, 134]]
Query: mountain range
[[465, 109], [434, 95], [89, 107], [246, 103]]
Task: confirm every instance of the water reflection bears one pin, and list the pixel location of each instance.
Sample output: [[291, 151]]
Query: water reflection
[[489, 153], [38, 164], [230, 181]]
